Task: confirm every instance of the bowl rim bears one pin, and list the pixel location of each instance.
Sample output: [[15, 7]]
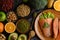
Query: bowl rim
[[35, 26]]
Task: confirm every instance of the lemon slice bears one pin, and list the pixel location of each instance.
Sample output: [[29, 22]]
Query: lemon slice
[[10, 27], [57, 5]]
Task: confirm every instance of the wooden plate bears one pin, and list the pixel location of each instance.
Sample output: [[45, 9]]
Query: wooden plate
[[37, 27]]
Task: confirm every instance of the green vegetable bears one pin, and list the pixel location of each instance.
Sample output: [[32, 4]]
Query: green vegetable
[[45, 15], [38, 4], [46, 25], [50, 15], [41, 17]]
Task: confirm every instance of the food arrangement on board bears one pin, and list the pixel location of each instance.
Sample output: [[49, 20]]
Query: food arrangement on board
[[29, 19]]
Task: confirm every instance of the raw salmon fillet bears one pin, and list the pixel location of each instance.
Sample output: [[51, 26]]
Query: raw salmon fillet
[[55, 27], [58, 37], [46, 31], [59, 26]]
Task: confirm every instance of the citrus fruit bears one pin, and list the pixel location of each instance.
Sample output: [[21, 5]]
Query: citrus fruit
[[10, 27], [1, 27], [57, 5]]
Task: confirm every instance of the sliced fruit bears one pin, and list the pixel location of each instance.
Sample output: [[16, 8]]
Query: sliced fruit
[[13, 36], [10, 27], [22, 37], [57, 5], [1, 27], [55, 27]]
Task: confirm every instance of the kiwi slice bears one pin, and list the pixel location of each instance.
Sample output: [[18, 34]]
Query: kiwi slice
[[22, 37], [13, 36]]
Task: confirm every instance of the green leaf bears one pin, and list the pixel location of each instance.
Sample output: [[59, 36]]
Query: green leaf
[[46, 25], [45, 15], [41, 17], [50, 15]]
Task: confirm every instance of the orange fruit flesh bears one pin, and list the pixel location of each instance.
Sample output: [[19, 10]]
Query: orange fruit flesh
[[57, 5], [1, 27], [10, 27]]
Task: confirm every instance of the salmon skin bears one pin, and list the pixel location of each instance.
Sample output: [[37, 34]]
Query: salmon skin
[[55, 27], [46, 25]]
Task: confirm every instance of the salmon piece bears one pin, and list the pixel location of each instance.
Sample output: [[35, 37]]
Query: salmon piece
[[41, 22], [59, 26], [47, 30], [58, 37], [55, 27]]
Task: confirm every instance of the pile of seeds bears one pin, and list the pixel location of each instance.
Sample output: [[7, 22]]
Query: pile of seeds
[[23, 10]]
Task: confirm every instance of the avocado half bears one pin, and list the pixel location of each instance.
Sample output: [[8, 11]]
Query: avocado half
[[13, 36], [22, 37]]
